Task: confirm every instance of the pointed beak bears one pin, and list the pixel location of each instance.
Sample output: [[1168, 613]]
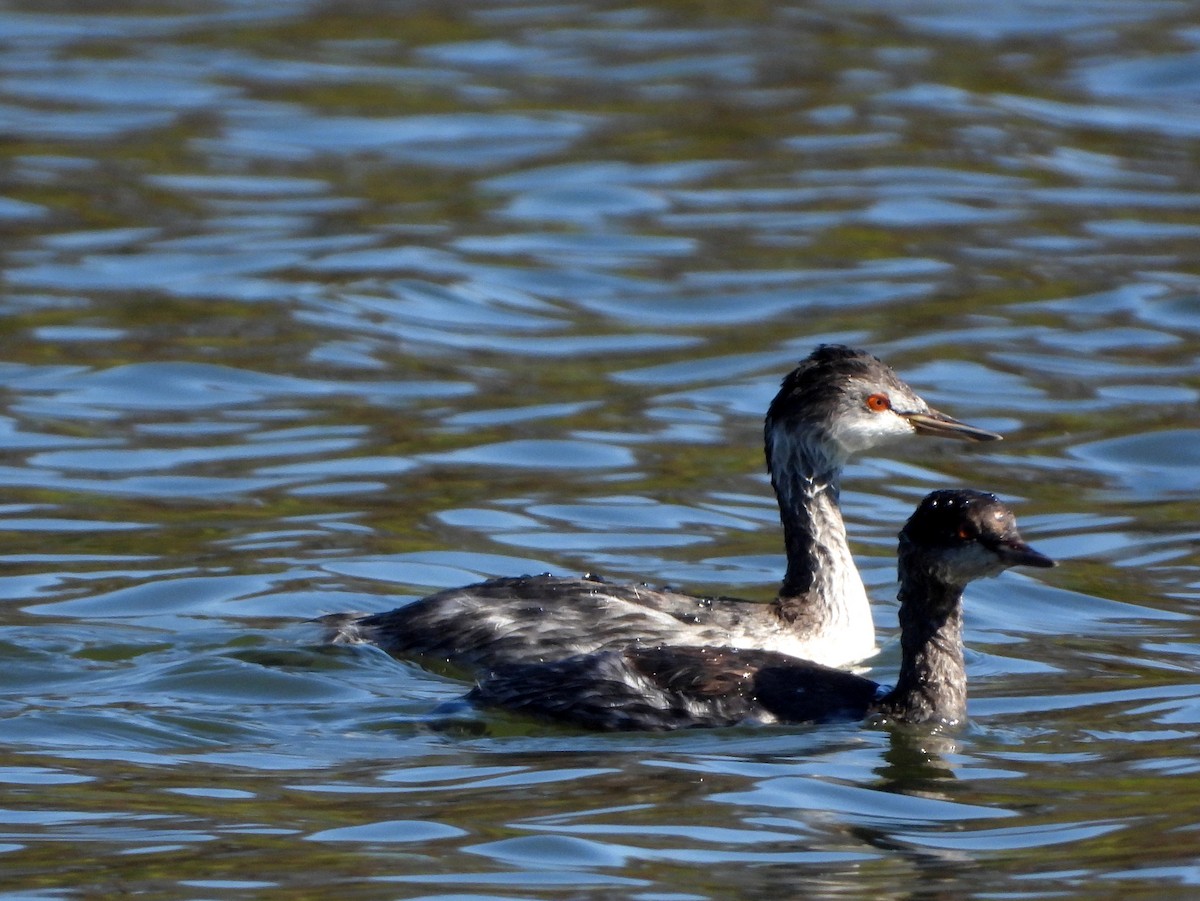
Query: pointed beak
[[941, 425], [1015, 552]]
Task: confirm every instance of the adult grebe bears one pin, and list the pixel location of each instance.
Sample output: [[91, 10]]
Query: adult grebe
[[951, 539], [837, 402]]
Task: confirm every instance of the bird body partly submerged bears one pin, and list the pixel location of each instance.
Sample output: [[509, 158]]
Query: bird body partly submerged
[[665, 688], [837, 402], [951, 539]]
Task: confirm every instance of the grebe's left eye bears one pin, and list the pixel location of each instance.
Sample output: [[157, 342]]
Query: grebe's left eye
[[878, 403], [965, 534]]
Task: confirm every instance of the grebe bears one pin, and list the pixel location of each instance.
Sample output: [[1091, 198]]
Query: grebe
[[951, 539], [837, 402]]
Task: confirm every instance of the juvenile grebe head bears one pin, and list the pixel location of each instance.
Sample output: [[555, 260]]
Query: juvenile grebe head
[[840, 401], [957, 535], [953, 537]]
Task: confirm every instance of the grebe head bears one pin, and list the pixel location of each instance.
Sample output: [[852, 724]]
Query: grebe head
[[957, 535], [840, 401]]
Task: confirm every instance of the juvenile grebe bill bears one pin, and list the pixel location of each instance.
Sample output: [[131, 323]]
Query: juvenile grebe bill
[[951, 539], [835, 403]]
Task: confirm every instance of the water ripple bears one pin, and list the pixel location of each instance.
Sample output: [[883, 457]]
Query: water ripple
[[318, 308]]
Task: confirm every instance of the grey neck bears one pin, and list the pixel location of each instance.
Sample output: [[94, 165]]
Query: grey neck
[[932, 686], [814, 535], [822, 592]]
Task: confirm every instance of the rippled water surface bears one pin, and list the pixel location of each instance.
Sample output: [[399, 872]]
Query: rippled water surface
[[313, 307]]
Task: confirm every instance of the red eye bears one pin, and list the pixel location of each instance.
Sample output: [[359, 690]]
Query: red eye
[[965, 534], [878, 403]]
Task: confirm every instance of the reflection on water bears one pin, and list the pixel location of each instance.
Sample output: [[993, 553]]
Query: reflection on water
[[319, 308]]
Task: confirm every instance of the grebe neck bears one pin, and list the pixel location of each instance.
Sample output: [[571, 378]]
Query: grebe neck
[[932, 686], [814, 535], [821, 586]]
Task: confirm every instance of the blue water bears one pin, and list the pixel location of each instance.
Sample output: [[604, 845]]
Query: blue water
[[313, 308]]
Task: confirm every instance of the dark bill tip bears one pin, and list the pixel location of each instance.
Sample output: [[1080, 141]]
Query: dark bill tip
[[943, 426], [1017, 553]]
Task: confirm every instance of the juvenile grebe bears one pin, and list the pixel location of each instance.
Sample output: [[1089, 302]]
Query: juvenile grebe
[[951, 539], [837, 402]]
